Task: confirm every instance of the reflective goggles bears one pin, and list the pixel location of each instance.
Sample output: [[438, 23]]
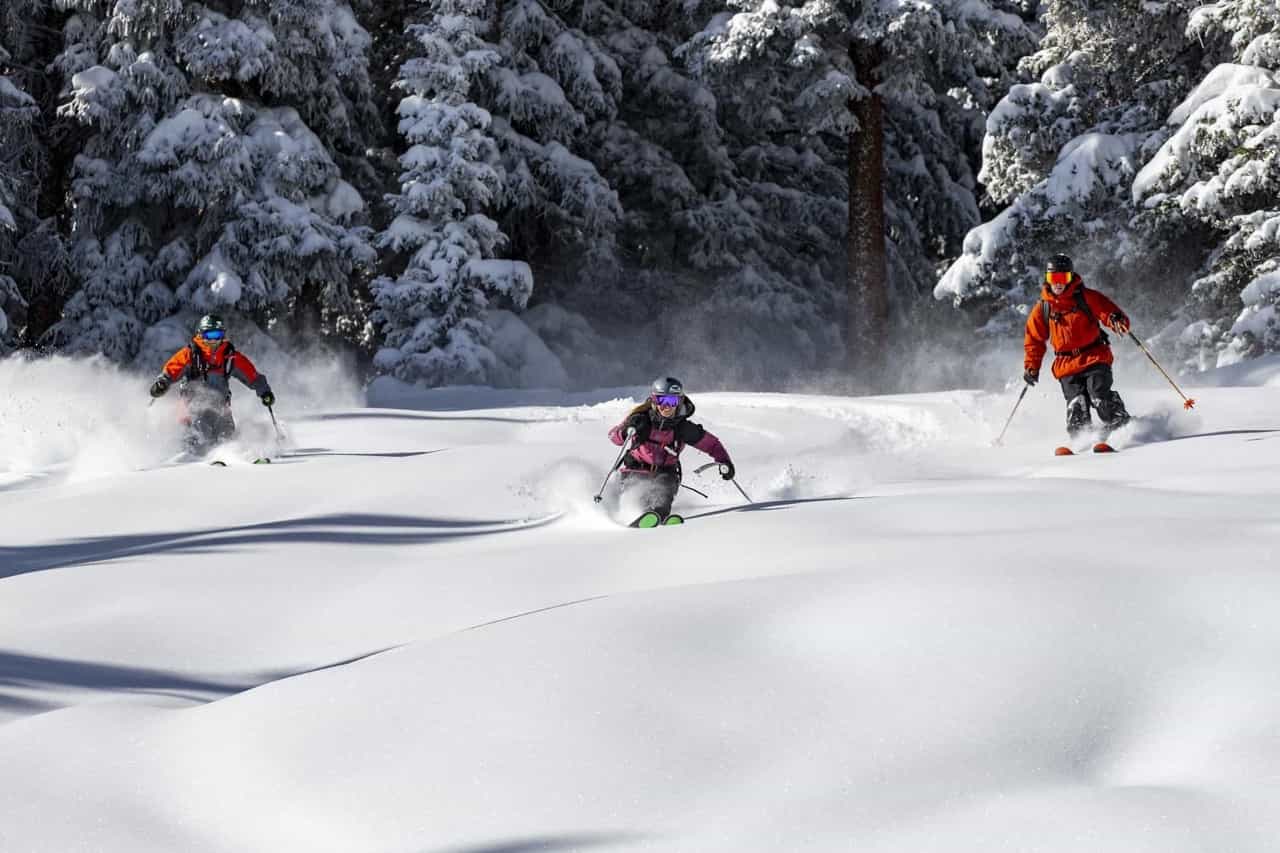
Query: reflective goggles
[[666, 401], [213, 334], [1058, 277]]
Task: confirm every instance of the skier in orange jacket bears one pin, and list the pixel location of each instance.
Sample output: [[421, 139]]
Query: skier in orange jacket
[[203, 370], [1070, 316]]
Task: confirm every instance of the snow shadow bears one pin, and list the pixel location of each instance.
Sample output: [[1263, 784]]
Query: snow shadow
[[303, 452], [548, 843], [23, 672], [35, 673], [413, 416], [762, 506], [344, 528]]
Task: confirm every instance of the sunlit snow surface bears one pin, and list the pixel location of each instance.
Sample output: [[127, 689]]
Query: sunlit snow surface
[[415, 631]]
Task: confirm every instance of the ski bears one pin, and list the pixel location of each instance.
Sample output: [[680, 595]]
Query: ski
[[672, 520], [647, 520], [218, 463], [262, 460], [1063, 451], [1103, 447]]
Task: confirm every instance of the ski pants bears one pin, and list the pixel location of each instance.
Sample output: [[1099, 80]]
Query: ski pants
[[658, 490], [209, 426], [1092, 387]]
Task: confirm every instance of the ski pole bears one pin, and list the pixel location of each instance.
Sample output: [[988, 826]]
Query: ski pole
[[626, 445], [695, 491], [1187, 402], [1026, 387], [272, 412]]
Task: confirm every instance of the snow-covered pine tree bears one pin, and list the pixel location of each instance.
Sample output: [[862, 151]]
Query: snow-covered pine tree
[[890, 92], [1061, 153], [34, 268], [18, 114], [1213, 186], [432, 313], [553, 86]]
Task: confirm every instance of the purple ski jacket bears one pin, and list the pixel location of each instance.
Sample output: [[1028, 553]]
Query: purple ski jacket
[[658, 447]]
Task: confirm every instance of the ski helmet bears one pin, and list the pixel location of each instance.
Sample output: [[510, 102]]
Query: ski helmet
[[211, 321], [666, 385], [211, 329], [1059, 263]]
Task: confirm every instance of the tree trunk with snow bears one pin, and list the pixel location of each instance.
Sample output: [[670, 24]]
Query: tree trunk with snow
[[868, 283]]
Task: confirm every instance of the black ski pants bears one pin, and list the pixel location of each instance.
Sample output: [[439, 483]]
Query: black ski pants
[[657, 490], [1091, 387]]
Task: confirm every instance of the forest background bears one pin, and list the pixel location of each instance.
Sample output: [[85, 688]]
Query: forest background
[[854, 194]]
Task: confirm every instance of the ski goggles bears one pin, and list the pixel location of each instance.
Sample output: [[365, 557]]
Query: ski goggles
[[213, 334], [666, 401], [1058, 277]]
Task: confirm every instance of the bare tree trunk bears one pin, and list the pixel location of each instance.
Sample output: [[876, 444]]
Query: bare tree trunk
[[868, 321]]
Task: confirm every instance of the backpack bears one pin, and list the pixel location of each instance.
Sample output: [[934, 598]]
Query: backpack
[[202, 367], [1083, 305]]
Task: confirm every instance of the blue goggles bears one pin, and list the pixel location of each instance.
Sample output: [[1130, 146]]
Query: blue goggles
[[666, 400], [213, 334]]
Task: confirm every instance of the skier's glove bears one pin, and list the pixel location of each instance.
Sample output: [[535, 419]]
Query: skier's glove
[[726, 470], [1031, 377], [159, 387], [268, 399], [1120, 323]]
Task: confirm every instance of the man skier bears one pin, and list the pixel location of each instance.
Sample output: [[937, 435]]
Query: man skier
[[204, 369], [1070, 316], [661, 430]]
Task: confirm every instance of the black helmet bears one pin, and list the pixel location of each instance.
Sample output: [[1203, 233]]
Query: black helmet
[[1059, 263], [666, 385], [211, 322]]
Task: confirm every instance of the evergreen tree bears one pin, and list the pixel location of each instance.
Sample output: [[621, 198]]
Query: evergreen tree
[[1213, 187], [33, 263], [892, 94], [432, 313], [190, 194], [1061, 154]]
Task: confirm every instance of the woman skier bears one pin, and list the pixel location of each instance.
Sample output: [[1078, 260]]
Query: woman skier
[[203, 369], [1070, 316], [658, 429]]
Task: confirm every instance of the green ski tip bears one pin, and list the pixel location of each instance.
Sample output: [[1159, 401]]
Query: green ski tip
[[262, 460], [649, 519], [673, 520]]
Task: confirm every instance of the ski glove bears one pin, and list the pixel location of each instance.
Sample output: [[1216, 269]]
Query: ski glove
[[1120, 323], [1031, 377], [726, 470], [268, 399], [159, 387]]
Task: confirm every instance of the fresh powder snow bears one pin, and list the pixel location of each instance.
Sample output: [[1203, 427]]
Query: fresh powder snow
[[415, 631]]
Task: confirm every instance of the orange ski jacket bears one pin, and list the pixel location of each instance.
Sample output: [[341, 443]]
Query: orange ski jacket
[[1075, 334], [214, 366]]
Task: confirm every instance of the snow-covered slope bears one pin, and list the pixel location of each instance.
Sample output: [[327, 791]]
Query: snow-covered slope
[[415, 632]]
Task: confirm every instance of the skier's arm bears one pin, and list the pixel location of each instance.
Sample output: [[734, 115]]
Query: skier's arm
[[1107, 312], [1034, 340], [638, 421], [176, 366], [695, 436], [242, 368]]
